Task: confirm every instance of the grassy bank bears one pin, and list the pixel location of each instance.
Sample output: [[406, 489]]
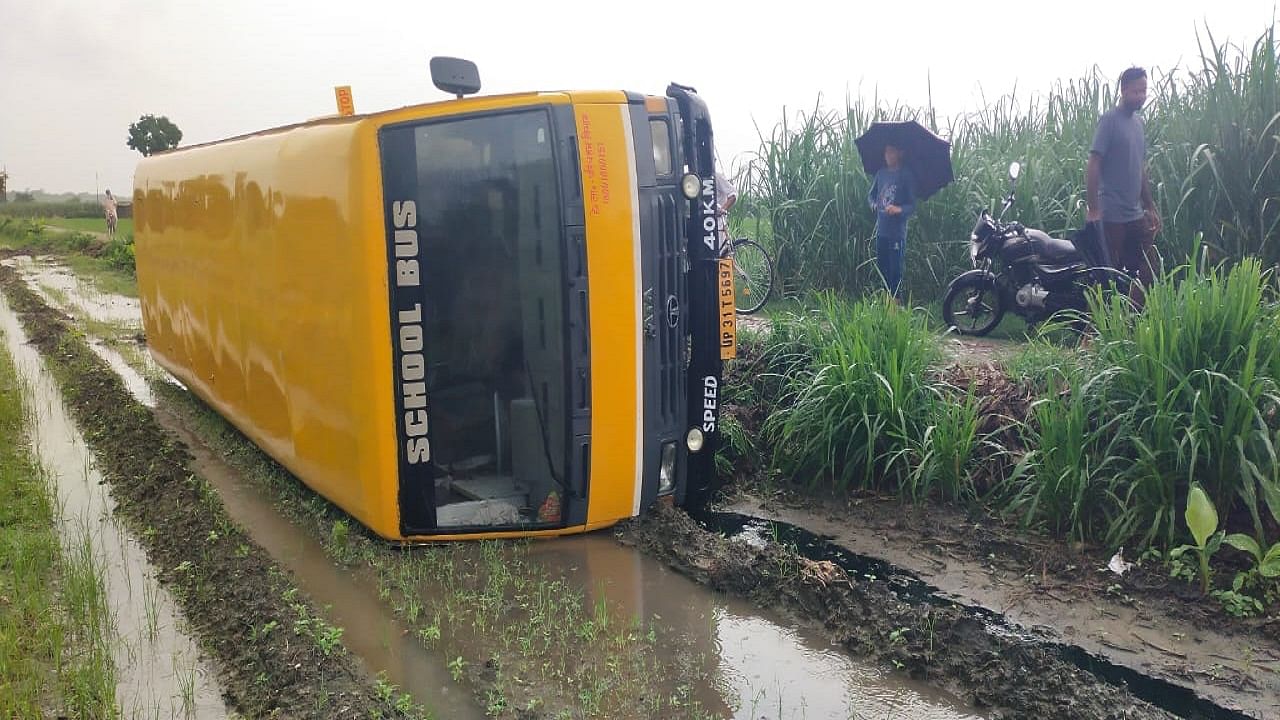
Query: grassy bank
[[852, 397], [109, 263]]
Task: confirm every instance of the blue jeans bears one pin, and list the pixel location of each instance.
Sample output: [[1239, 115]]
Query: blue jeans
[[891, 253]]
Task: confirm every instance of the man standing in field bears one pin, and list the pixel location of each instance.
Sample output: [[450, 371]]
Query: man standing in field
[[1117, 187], [109, 207]]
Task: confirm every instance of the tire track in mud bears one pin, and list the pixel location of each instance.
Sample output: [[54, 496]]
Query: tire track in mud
[[228, 587], [876, 610]]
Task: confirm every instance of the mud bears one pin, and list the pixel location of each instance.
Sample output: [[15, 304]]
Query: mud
[[348, 593], [158, 666], [60, 287], [224, 582], [754, 663], [1143, 621], [946, 644]]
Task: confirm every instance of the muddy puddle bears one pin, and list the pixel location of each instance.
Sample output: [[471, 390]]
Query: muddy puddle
[[756, 664], [159, 669], [350, 598], [63, 289], [1186, 669]]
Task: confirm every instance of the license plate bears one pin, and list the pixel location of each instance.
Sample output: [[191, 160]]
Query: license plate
[[728, 314]]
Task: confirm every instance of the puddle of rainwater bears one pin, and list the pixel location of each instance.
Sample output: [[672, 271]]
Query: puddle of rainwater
[[759, 665], [158, 666], [59, 287], [350, 601], [133, 381]]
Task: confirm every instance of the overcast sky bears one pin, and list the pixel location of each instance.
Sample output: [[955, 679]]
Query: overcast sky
[[73, 75]]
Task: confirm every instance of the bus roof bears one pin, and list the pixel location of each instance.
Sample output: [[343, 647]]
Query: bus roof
[[461, 104]]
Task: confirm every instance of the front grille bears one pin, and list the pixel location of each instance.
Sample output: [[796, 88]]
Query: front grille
[[669, 282]]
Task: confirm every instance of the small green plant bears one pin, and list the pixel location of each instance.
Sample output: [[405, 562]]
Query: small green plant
[[384, 689], [495, 703], [1202, 520], [328, 637], [431, 633], [456, 668], [1266, 563], [339, 534], [1237, 603]]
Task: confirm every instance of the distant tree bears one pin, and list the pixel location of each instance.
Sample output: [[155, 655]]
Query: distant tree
[[24, 197], [152, 134]]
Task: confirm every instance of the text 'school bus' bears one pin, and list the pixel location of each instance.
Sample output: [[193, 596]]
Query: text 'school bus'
[[484, 317]]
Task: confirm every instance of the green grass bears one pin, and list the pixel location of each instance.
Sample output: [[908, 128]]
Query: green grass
[[91, 225], [857, 408], [1182, 392], [105, 275], [54, 657], [108, 264]]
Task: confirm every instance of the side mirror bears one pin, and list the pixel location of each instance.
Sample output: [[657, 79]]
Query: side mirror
[[1015, 169], [455, 75]]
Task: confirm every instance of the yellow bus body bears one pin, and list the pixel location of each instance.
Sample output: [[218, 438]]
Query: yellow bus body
[[263, 275]]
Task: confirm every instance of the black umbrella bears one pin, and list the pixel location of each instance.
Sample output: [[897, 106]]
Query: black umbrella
[[925, 154]]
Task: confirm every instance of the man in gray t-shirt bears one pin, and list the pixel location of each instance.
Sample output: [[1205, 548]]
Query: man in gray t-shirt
[[1118, 191]]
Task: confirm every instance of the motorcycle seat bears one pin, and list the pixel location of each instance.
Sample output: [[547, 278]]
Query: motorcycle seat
[[1052, 271], [1053, 250]]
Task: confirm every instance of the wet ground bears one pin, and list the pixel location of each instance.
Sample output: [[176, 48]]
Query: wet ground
[[159, 669], [752, 630], [1137, 621], [749, 663], [231, 594]]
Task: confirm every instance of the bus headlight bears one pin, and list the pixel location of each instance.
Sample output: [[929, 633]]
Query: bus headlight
[[690, 185], [667, 470], [693, 440]]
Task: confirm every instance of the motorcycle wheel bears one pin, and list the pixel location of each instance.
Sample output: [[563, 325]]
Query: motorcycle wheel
[[973, 306]]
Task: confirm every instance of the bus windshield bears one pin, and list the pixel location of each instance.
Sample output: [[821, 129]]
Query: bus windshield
[[492, 281]]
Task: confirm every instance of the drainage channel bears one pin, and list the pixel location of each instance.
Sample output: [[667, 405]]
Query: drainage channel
[[159, 669], [1174, 699]]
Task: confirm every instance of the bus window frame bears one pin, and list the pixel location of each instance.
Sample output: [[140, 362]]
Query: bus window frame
[[573, 501]]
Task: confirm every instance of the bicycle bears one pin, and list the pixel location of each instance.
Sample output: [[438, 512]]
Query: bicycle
[[753, 274]]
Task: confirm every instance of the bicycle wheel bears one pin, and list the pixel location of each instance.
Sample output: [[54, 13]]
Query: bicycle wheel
[[752, 277]]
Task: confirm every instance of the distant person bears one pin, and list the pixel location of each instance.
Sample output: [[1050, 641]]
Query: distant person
[[893, 199], [109, 207], [1118, 190]]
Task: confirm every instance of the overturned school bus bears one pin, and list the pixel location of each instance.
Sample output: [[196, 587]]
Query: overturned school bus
[[483, 317]]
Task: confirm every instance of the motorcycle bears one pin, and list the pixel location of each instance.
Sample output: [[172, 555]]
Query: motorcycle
[[1025, 271]]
